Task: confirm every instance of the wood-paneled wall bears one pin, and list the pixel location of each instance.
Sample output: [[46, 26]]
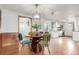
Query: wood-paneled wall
[[0, 42], [0, 39], [9, 43]]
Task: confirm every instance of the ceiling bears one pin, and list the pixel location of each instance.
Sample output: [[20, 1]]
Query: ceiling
[[59, 12]]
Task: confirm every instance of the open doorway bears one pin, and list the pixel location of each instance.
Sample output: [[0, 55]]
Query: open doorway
[[24, 25]]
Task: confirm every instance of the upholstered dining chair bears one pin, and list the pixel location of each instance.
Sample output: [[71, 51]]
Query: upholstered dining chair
[[44, 42], [24, 42]]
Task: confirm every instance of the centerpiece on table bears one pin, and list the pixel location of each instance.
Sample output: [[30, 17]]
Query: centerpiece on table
[[36, 27]]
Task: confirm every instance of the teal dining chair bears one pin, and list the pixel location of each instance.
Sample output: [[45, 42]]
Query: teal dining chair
[[24, 42]]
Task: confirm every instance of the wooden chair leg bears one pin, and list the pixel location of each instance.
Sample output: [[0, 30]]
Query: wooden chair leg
[[42, 51], [48, 50]]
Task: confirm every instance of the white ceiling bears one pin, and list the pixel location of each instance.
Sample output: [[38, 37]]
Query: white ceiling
[[61, 11]]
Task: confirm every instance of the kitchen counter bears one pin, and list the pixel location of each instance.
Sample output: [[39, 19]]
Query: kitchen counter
[[75, 36]]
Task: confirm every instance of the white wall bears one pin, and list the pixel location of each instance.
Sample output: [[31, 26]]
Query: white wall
[[0, 30], [9, 20]]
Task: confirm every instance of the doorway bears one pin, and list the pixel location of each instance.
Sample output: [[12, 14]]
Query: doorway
[[24, 25]]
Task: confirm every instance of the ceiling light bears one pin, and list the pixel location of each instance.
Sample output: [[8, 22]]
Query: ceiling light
[[36, 15]]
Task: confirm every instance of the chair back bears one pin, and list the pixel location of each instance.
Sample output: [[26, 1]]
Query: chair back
[[20, 36]]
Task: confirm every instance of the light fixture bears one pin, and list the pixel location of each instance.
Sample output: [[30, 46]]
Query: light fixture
[[36, 15]]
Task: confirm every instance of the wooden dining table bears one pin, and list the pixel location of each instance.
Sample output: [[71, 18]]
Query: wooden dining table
[[35, 44]]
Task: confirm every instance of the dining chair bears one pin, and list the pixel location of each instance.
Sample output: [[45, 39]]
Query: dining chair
[[44, 42], [24, 42]]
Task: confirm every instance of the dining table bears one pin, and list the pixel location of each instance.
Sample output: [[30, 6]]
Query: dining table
[[36, 47]]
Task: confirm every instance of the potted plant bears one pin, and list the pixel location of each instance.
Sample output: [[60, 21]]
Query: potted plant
[[36, 26]]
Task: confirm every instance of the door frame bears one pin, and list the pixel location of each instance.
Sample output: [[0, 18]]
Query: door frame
[[24, 17]]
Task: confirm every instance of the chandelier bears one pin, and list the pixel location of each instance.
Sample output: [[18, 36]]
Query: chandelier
[[36, 15]]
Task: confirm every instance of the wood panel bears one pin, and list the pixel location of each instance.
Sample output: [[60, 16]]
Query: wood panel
[[9, 38], [0, 39], [0, 42], [9, 43], [11, 49], [0, 20]]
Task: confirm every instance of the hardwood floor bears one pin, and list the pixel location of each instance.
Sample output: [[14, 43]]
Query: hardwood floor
[[57, 46], [26, 50], [62, 46]]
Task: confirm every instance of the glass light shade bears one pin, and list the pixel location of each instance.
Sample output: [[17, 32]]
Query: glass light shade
[[36, 16]]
